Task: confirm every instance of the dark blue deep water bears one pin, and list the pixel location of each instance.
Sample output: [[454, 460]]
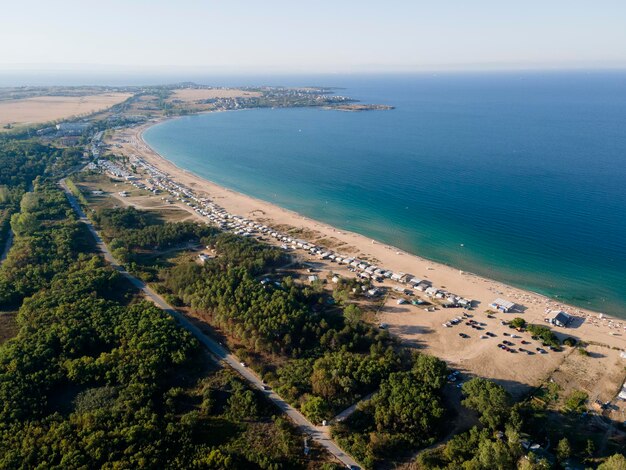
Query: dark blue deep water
[[526, 170]]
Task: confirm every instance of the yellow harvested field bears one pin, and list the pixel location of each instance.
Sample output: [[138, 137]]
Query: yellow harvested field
[[194, 94], [50, 108]]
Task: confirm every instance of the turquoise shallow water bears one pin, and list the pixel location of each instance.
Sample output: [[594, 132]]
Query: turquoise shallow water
[[527, 171]]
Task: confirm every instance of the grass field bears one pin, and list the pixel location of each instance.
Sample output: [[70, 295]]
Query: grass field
[[195, 94], [49, 108]]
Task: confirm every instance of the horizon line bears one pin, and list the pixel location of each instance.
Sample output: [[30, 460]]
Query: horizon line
[[117, 70]]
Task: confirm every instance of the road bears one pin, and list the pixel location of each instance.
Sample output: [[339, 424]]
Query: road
[[351, 409], [318, 433]]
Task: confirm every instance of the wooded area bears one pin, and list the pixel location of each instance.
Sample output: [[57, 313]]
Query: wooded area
[[97, 377]]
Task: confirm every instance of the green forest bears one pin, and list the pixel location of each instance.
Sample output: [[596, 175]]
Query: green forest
[[97, 377]]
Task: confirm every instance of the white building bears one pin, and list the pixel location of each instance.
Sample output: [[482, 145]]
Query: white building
[[502, 305]]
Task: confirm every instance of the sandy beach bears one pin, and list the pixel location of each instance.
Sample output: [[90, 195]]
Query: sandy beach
[[604, 369]]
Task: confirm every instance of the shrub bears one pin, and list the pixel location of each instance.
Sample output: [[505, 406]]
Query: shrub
[[575, 403], [569, 341]]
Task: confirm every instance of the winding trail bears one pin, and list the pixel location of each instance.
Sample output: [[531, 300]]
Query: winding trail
[[317, 433]]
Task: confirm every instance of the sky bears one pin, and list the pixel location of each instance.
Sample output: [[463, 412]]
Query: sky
[[339, 36]]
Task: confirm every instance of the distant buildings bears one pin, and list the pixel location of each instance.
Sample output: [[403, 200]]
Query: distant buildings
[[46, 131], [65, 130], [72, 128], [159, 181], [203, 258]]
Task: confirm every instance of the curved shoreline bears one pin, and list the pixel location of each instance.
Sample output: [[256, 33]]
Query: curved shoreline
[[327, 225], [297, 214], [463, 283]]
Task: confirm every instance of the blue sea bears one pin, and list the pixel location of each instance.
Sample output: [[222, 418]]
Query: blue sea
[[518, 176]]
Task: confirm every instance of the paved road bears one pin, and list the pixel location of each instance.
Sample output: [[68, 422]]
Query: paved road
[[319, 434]]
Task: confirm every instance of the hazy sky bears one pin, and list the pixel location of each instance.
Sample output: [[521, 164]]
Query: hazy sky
[[323, 36]]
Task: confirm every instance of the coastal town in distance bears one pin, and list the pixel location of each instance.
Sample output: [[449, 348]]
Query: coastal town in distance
[[276, 341], [357, 235]]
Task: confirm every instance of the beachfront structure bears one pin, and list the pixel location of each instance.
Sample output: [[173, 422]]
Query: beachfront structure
[[220, 217], [374, 292], [502, 305], [622, 393], [560, 318], [431, 291]]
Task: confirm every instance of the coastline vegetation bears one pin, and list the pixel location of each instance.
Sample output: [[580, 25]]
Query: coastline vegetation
[[97, 377], [306, 348]]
